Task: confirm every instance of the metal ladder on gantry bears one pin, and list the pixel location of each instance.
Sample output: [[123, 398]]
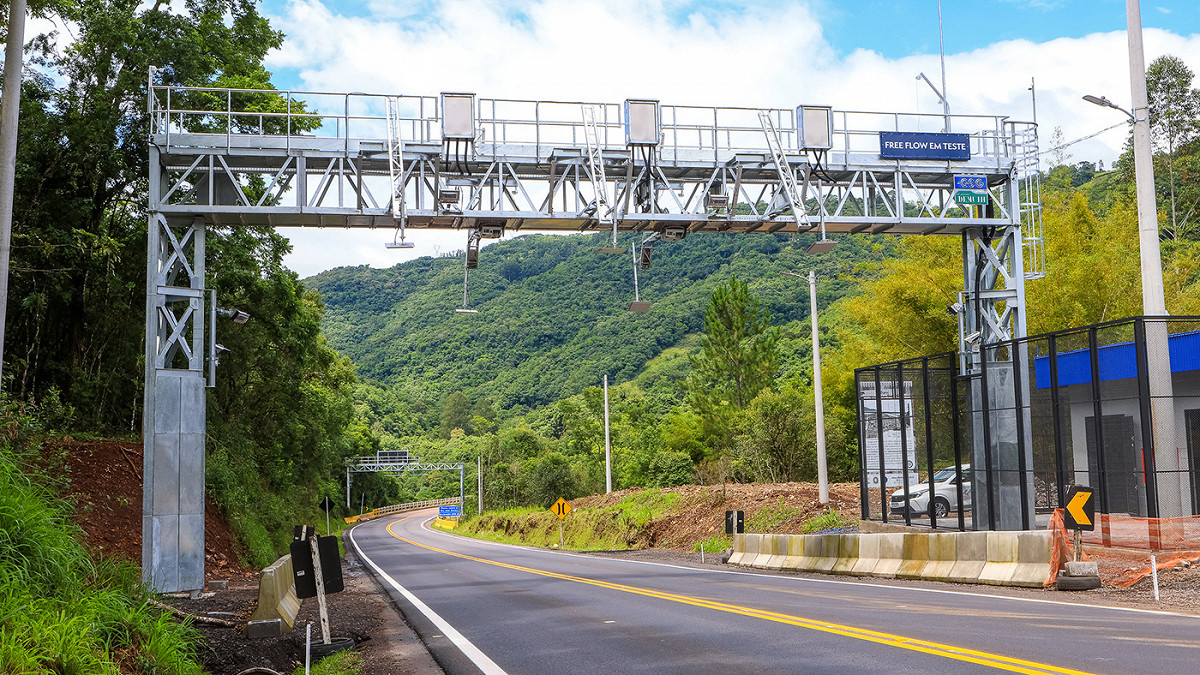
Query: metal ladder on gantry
[[485, 167]]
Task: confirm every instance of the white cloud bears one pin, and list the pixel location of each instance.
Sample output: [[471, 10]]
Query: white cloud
[[752, 55]]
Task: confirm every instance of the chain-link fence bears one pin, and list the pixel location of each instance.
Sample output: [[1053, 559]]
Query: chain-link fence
[[998, 447]]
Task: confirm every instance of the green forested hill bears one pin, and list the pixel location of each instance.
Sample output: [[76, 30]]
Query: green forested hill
[[552, 309]]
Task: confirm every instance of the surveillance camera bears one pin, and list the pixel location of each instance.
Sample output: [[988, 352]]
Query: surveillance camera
[[954, 309]]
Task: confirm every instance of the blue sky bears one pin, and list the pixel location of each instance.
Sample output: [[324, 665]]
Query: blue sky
[[896, 29], [852, 55], [893, 28]]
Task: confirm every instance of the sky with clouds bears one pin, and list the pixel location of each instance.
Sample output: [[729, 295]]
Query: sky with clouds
[[860, 55]]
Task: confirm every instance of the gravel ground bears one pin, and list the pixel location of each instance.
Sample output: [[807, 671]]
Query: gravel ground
[[362, 611]]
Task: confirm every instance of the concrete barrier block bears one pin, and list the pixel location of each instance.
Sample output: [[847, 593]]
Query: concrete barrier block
[[1033, 559], [868, 555], [848, 551], [943, 554], [1001, 558], [814, 552], [831, 543], [765, 544], [764, 552], [891, 554], [779, 551], [915, 556], [753, 544], [277, 595], [971, 556], [795, 552], [739, 550]]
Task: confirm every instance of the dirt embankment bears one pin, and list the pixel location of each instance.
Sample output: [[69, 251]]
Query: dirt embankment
[[699, 513], [104, 481], [105, 484]]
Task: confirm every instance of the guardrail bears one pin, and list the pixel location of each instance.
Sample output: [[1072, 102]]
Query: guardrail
[[399, 508]]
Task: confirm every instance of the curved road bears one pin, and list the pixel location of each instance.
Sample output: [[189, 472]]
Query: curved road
[[493, 608]]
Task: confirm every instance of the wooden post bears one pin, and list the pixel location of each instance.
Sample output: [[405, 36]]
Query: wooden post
[[316, 556]]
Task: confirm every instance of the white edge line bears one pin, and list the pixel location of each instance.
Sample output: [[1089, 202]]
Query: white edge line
[[468, 649], [802, 580]]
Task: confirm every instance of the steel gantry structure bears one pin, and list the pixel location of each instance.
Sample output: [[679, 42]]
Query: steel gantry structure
[[398, 464], [231, 158]]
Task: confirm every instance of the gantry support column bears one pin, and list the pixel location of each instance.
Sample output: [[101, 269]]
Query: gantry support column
[[173, 420], [992, 316]]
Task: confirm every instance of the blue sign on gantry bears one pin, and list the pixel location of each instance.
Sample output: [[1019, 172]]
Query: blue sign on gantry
[[918, 145]]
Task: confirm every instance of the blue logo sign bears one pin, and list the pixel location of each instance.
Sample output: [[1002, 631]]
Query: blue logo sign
[[448, 511], [915, 145], [970, 182]]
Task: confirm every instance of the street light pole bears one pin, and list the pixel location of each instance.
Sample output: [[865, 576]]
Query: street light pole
[[942, 55], [9, 115], [1153, 300], [1169, 465], [1173, 500], [607, 439], [818, 398]]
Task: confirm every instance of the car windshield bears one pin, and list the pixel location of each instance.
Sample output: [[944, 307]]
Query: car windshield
[[944, 475]]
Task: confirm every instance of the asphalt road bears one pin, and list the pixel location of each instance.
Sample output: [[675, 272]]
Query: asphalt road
[[494, 608]]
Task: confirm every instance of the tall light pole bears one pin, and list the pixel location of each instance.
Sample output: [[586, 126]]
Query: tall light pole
[[818, 398], [941, 94], [1167, 461], [607, 440], [14, 53]]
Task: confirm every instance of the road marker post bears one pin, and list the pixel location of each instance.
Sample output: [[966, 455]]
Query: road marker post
[[561, 508], [1079, 515]]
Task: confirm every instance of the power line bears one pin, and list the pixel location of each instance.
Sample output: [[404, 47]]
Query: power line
[[1079, 140]]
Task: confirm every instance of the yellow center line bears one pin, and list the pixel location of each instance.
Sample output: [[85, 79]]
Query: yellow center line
[[937, 649]]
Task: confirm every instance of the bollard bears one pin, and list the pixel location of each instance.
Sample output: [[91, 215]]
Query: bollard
[[1154, 575]]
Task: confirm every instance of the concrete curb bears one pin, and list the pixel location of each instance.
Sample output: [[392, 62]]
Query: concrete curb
[[277, 594], [998, 558]]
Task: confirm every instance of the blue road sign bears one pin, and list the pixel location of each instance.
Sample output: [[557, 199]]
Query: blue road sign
[[448, 511], [913, 145], [970, 182]]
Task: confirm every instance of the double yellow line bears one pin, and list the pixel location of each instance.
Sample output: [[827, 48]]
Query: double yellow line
[[924, 646]]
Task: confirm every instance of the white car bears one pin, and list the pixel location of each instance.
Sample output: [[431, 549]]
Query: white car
[[945, 494]]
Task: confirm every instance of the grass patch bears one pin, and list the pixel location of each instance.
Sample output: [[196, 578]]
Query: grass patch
[[642, 507], [583, 529], [342, 663], [826, 521], [60, 611], [770, 517], [715, 544]]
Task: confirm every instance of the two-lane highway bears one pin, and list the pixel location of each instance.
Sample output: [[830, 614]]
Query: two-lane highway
[[495, 608]]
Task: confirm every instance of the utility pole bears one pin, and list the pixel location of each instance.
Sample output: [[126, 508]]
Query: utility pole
[[818, 398], [607, 438], [1154, 302], [14, 53]]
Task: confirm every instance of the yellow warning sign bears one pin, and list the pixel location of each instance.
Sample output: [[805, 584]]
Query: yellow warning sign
[[1081, 509], [561, 508]]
